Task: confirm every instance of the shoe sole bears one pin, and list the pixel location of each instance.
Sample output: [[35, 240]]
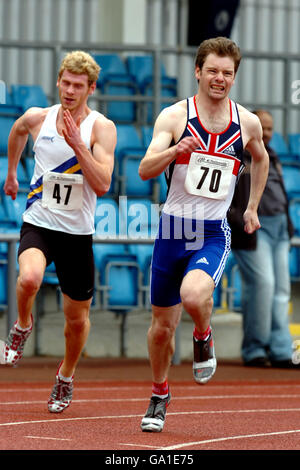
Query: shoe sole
[[152, 425], [210, 364]]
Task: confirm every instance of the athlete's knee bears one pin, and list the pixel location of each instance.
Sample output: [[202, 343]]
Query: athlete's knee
[[77, 325], [30, 282], [162, 332], [196, 298]]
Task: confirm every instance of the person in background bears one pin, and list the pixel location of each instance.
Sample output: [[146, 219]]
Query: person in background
[[263, 260]]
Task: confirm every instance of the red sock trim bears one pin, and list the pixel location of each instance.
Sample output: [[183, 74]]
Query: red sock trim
[[160, 389], [202, 336]]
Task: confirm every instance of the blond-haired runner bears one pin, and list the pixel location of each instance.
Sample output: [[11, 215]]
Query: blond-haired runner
[[74, 160]]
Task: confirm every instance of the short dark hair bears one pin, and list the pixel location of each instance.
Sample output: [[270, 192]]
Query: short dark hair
[[220, 46]]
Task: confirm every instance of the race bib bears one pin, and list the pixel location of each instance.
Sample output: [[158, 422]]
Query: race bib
[[209, 176], [62, 191]]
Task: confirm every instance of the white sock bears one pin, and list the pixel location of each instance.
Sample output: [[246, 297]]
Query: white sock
[[22, 329], [65, 379]]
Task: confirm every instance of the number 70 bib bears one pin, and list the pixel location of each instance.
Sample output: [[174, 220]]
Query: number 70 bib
[[62, 191], [209, 176]]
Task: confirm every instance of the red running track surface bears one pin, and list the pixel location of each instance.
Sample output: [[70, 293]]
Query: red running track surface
[[239, 409]]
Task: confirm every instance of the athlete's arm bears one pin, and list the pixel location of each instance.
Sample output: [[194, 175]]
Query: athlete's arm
[[98, 166], [159, 153], [258, 170], [28, 123]]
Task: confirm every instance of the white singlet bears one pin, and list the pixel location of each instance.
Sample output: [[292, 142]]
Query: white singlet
[[60, 198]]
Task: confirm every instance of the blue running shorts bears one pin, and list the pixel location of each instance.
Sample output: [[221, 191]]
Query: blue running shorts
[[181, 246]]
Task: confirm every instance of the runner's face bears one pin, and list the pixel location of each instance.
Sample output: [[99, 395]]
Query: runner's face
[[73, 90], [216, 76]]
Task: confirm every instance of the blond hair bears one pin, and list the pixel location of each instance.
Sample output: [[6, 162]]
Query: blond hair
[[80, 62]]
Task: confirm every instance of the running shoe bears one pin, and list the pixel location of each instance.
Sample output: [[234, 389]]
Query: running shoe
[[205, 363], [155, 416], [61, 395], [14, 344]]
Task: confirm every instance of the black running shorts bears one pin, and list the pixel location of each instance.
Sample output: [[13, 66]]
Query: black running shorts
[[71, 254]]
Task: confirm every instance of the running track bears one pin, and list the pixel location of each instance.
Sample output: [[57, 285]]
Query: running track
[[239, 409]]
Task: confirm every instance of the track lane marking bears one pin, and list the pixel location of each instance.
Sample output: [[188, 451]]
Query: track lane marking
[[48, 438], [178, 413], [143, 399], [230, 438]]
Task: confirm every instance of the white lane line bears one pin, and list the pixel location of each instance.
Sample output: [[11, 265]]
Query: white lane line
[[143, 399], [56, 420], [173, 386], [231, 438], [48, 438]]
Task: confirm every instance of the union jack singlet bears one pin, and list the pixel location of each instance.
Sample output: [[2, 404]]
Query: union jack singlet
[[201, 185]]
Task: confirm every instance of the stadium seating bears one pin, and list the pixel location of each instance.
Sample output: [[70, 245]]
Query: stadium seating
[[291, 177], [27, 96], [294, 263], [294, 145], [113, 69], [6, 123], [141, 69], [294, 210], [233, 284], [129, 150], [114, 80], [3, 285]]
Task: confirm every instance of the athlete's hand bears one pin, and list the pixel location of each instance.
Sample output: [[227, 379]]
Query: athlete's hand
[[187, 145], [71, 130], [11, 187], [251, 221]]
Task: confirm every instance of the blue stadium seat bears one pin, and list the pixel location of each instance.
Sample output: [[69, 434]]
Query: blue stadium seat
[[50, 276], [128, 144], [115, 80], [294, 145], [291, 177], [147, 133], [294, 263], [27, 96], [7, 220], [21, 173], [130, 182], [120, 111], [294, 210], [141, 69], [113, 69], [233, 288], [10, 110], [6, 123], [3, 285], [128, 140], [278, 144], [15, 208]]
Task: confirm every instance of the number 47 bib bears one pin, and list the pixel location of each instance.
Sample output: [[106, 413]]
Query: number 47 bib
[[62, 191], [209, 176]]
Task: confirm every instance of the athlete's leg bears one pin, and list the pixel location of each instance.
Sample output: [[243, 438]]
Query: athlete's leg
[[32, 265], [77, 327], [161, 340], [197, 297]]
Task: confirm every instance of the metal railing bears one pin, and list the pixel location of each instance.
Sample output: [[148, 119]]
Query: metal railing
[[158, 51]]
